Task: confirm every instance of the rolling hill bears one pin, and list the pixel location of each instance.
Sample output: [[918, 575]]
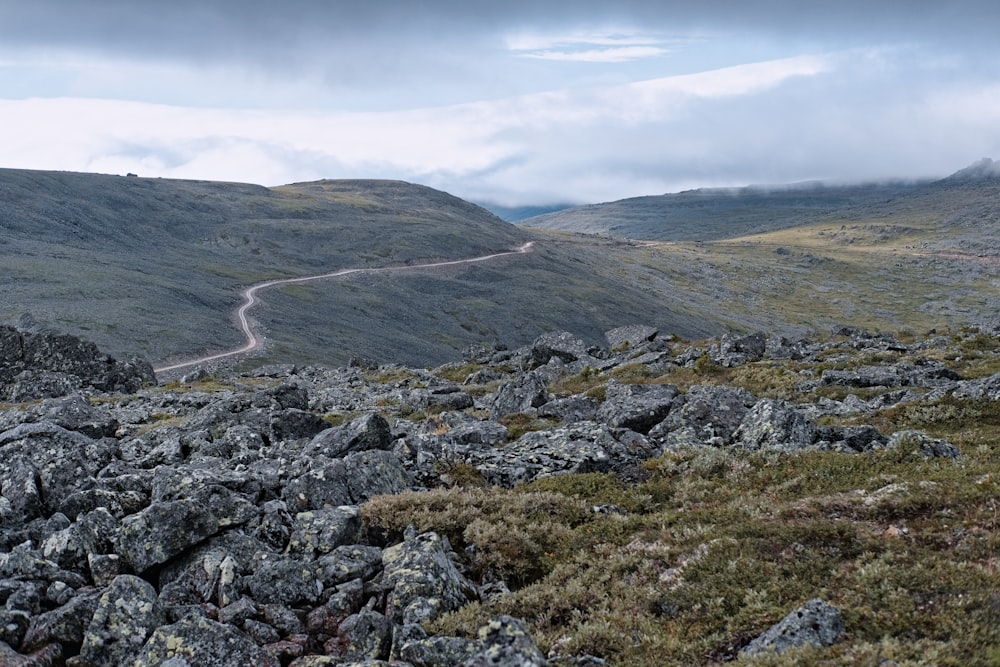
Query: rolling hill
[[805, 257], [155, 267]]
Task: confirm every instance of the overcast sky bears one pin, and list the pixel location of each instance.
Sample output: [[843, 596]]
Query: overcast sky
[[515, 101]]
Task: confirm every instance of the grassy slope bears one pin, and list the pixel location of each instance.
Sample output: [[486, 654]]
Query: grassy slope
[[154, 267], [891, 257]]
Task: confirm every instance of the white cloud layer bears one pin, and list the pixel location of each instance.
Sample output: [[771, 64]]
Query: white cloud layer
[[519, 103]]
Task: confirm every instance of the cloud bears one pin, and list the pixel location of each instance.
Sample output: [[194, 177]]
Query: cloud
[[619, 54]]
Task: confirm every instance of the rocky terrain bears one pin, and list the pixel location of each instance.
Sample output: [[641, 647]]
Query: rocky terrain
[[558, 503]]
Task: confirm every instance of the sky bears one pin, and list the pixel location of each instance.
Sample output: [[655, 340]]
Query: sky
[[517, 103]]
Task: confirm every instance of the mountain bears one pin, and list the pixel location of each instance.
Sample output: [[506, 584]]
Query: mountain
[[155, 267], [713, 214]]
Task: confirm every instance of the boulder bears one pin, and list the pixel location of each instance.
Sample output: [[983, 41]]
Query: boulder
[[506, 643], [422, 581], [201, 642], [525, 392], [127, 613], [347, 481], [562, 345], [637, 407], [775, 425], [364, 433], [623, 338], [163, 530], [321, 531], [927, 446], [816, 623]]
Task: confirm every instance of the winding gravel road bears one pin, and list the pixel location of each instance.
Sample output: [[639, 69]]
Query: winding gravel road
[[255, 341]]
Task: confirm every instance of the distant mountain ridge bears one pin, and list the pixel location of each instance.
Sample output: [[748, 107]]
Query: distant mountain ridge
[[712, 214]]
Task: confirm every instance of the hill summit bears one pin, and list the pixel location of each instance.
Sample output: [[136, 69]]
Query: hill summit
[[981, 170]]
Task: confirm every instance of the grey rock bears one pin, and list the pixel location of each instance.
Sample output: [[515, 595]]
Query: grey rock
[[637, 407], [321, 531], [851, 438], [571, 409], [295, 424], [347, 481], [163, 530], [816, 623], [366, 635], [563, 345], [706, 415], [422, 581], [525, 392], [127, 613], [364, 433], [507, 643], [347, 563], [411, 644], [927, 446], [775, 425], [632, 336], [285, 581], [200, 642], [65, 624]]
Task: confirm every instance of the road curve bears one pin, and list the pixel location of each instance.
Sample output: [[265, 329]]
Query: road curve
[[254, 341]]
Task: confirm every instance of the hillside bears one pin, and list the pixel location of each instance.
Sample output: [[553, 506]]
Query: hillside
[[958, 201], [803, 258], [155, 267]]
